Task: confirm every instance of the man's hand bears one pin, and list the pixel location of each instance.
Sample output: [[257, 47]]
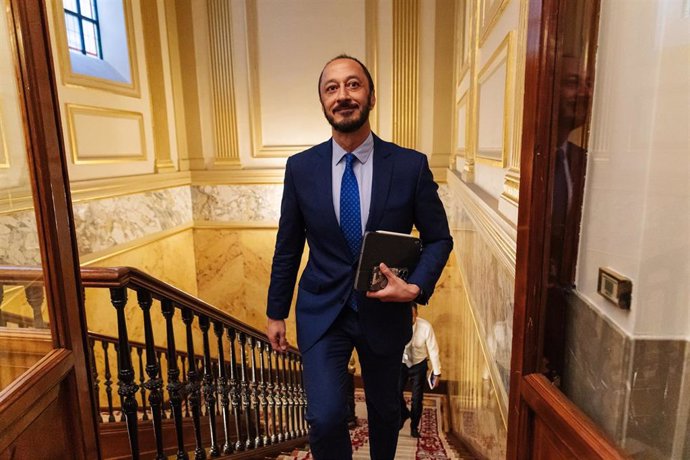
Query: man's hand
[[433, 380], [396, 290], [276, 335]]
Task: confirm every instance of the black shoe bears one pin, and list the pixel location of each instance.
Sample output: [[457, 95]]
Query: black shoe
[[414, 432], [403, 417]]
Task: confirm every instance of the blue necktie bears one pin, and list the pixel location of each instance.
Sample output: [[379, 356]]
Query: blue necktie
[[350, 215]]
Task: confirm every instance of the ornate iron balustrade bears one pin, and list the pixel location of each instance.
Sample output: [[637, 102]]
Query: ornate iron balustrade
[[249, 397]]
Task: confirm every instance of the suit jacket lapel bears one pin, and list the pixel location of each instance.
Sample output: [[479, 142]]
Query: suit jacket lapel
[[381, 182]]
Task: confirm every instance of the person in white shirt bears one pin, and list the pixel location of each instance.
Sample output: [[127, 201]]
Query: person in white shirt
[[414, 368]]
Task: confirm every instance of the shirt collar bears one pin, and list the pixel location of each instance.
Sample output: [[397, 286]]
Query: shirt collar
[[362, 153]]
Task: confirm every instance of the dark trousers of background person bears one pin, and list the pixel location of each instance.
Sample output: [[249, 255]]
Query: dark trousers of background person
[[417, 376]]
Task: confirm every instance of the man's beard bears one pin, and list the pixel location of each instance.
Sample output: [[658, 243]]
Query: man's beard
[[349, 125]]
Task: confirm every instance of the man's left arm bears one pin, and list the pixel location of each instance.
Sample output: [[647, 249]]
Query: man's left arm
[[432, 223]]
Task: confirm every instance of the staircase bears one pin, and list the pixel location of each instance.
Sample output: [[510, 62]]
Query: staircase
[[433, 443]]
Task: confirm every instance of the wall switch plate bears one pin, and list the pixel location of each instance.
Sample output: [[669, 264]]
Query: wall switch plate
[[615, 287]]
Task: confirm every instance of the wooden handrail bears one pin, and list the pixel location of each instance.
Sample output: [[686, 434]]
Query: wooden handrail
[[132, 278]]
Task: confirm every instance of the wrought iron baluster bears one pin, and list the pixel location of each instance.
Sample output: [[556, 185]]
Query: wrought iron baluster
[[278, 396], [263, 396], [223, 387], [183, 358], [284, 396], [175, 388], [125, 372], [254, 395], [271, 395], [208, 386], [108, 382], [142, 381], [293, 395], [234, 388], [302, 399], [244, 389], [154, 382], [193, 389]]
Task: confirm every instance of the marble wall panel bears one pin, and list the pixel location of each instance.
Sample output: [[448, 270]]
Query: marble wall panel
[[239, 203], [233, 273], [636, 390], [19, 239], [490, 288], [106, 223], [654, 406], [597, 366]]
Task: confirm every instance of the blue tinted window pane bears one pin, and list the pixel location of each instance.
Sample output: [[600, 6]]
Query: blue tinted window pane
[[90, 38], [70, 5], [73, 36], [88, 9]]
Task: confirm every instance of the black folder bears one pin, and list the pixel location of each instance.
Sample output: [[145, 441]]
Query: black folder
[[399, 251]]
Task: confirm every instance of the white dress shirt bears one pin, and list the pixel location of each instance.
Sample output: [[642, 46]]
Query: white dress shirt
[[422, 344]]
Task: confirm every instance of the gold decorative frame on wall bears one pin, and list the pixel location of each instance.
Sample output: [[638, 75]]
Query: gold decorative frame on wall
[[463, 38], [73, 109], [491, 11], [71, 78], [259, 149], [461, 104], [503, 53]]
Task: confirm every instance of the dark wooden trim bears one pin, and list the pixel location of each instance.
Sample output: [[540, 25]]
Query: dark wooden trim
[[573, 427], [532, 246], [25, 399], [48, 169]]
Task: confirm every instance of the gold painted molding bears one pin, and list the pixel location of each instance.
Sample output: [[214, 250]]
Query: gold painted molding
[[491, 13], [73, 109], [406, 73], [98, 189], [511, 186], [4, 152], [71, 78], [236, 225], [372, 63], [462, 104], [222, 84], [503, 53], [240, 176]]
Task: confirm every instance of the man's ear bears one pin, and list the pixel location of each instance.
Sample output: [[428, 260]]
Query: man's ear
[[372, 100]]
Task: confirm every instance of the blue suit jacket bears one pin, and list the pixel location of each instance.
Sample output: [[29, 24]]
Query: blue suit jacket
[[403, 194]]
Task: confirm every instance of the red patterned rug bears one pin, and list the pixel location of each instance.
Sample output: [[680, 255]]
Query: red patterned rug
[[431, 444]]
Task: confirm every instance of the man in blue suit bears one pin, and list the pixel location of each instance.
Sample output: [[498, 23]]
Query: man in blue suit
[[333, 192]]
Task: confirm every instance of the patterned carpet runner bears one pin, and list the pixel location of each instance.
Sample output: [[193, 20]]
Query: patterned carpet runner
[[431, 445]]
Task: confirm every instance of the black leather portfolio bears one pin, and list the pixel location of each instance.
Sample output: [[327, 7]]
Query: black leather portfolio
[[399, 251]]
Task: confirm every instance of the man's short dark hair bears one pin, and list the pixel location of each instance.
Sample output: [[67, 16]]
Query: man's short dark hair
[[352, 58]]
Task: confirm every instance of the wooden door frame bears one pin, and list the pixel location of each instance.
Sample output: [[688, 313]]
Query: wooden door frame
[[64, 372], [532, 396]]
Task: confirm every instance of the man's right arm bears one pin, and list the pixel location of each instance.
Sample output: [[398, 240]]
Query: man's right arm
[[286, 261]]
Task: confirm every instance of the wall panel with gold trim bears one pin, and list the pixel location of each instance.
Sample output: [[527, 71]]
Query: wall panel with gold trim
[[108, 122]]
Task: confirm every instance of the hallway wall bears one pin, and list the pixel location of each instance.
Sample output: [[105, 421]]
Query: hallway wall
[[630, 369]]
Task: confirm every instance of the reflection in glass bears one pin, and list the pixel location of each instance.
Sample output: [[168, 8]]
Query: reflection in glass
[[24, 333]]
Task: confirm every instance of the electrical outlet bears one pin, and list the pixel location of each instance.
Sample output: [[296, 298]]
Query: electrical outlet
[[615, 287]]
